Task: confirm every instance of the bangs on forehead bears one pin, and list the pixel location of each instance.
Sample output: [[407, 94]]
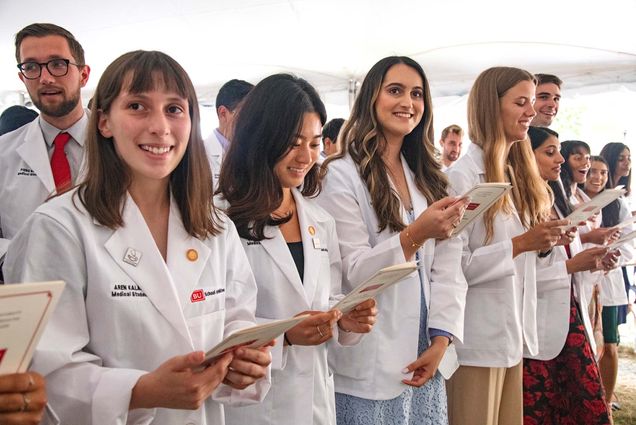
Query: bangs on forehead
[[580, 150], [155, 72]]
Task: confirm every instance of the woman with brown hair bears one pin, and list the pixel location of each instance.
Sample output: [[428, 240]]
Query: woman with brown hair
[[388, 196], [500, 251], [154, 276]]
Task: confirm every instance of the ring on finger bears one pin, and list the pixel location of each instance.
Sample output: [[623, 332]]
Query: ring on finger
[[25, 402], [320, 332]]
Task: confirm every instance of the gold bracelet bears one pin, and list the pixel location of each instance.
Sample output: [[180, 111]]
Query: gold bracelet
[[413, 243]]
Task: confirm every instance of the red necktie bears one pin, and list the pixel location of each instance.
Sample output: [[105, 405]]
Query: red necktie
[[59, 163]]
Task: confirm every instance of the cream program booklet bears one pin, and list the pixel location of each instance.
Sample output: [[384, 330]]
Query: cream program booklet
[[482, 196], [623, 240], [254, 337], [24, 311], [383, 279], [584, 211], [626, 223]]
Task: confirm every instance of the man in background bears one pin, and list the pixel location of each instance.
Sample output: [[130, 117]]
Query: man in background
[[451, 143]]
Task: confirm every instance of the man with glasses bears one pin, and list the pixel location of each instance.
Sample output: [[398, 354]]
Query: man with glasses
[[44, 157]]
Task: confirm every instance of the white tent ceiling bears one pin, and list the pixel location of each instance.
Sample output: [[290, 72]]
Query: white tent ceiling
[[330, 42]]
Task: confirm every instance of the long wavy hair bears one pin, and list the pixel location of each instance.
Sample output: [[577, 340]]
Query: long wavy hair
[[485, 129], [108, 177], [266, 128], [364, 141], [611, 152]]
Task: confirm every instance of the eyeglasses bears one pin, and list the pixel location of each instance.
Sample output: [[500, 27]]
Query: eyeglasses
[[56, 67]]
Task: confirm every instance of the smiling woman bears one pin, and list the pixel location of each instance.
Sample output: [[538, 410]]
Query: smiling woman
[[143, 218]]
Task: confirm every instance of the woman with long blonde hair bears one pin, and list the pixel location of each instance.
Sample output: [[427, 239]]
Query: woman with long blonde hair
[[388, 196], [500, 250]]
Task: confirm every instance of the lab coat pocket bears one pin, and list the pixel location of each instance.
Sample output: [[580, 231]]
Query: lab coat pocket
[[542, 314], [487, 310], [206, 330]]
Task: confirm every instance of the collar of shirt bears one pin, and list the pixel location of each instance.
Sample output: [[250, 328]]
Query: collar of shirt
[[225, 144], [77, 130]]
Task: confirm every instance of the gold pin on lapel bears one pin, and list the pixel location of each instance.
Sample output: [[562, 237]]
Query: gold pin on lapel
[[192, 254], [312, 230]]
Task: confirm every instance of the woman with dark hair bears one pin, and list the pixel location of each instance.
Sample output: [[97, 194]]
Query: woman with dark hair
[[387, 194], [573, 174], [615, 287], [153, 274], [268, 178], [500, 251], [564, 362]]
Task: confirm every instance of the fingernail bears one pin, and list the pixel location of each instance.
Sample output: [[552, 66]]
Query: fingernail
[[405, 370]]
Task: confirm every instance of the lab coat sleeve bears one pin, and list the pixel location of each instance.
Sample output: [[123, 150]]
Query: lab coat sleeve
[[359, 259], [627, 250], [448, 288], [240, 305], [335, 270], [80, 390]]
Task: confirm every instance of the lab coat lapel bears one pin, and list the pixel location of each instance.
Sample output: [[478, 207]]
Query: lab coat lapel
[[187, 255], [150, 272], [34, 153], [310, 251], [276, 247], [418, 200]]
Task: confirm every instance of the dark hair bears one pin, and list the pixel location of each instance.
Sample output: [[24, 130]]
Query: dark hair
[[43, 30], [15, 117], [453, 128], [232, 93], [108, 177], [266, 129], [363, 140], [538, 135], [611, 152], [548, 78], [611, 212], [332, 128], [568, 148]]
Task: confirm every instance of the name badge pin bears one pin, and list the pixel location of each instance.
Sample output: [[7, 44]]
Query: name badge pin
[[132, 257], [316, 243]]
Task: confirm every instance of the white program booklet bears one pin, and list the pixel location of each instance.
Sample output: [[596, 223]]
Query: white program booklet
[[24, 311], [584, 211], [482, 196], [254, 337], [623, 240], [383, 279], [626, 223]]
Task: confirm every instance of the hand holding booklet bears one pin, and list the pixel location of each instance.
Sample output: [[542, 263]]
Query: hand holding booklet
[[24, 311], [482, 196], [623, 240], [584, 211], [380, 281], [254, 337]]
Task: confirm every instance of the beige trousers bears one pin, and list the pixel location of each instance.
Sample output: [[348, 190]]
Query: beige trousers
[[486, 396]]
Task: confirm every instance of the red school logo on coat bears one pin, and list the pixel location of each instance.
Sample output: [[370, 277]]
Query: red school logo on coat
[[197, 295]]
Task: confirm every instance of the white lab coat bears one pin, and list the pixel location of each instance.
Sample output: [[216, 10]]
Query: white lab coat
[[612, 286], [373, 368], [502, 295], [116, 320], [26, 179], [553, 302], [302, 389], [214, 153]]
